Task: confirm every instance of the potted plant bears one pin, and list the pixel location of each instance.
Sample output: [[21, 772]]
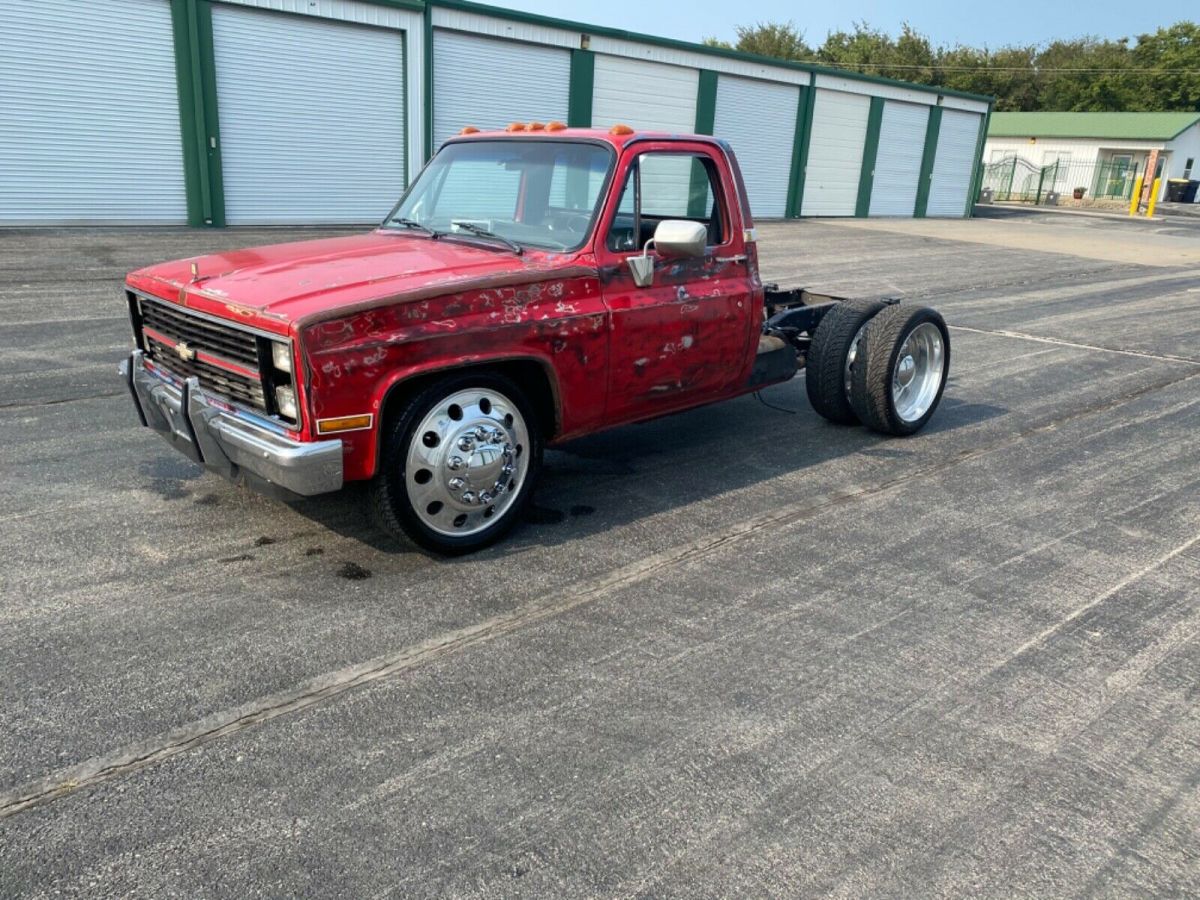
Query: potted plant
[[1079, 192]]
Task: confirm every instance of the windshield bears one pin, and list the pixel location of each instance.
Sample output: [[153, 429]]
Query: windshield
[[533, 193]]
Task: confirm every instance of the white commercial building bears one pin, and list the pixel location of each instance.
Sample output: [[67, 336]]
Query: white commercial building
[[215, 112]]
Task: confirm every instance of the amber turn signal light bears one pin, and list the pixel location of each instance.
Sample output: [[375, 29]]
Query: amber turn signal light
[[344, 423], [555, 126], [469, 129], [515, 126], [620, 129]]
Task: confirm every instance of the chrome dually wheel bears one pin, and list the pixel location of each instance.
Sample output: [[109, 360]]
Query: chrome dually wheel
[[466, 462], [903, 361], [917, 374], [459, 460]]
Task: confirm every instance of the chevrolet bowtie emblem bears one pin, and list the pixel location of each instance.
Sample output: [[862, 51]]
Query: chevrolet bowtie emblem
[[186, 353]]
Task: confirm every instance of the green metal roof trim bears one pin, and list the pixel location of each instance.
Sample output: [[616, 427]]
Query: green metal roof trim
[[1126, 126], [621, 34]]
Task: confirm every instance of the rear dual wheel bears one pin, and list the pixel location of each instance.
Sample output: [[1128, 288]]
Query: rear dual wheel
[[882, 365]]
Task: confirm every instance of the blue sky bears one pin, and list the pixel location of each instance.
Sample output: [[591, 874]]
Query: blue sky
[[945, 21]]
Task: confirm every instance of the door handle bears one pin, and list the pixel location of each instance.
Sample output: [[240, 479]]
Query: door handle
[[731, 259]]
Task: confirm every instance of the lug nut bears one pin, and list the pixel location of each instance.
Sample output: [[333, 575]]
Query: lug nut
[[485, 497], [457, 484], [468, 497], [454, 463], [465, 443]]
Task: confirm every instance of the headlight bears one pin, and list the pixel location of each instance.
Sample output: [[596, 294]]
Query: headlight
[[281, 356], [285, 402]]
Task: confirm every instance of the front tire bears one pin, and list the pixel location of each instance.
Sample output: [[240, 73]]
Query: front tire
[[904, 361], [459, 463]]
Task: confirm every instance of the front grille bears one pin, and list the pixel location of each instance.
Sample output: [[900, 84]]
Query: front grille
[[201, 334], [215, 339]]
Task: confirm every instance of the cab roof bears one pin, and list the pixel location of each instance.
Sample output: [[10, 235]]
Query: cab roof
[[618, 135]]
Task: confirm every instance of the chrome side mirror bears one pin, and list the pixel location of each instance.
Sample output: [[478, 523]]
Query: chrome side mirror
[[673, 238], [680, 238]]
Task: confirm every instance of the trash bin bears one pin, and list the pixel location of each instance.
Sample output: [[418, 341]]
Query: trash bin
[[1176, 188], [1189, 195]]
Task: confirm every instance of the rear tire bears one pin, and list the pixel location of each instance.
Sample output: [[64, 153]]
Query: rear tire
[[825, 371], [903, 364], [458, 464]]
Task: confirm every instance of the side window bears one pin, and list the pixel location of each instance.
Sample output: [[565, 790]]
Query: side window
[[672, 186]]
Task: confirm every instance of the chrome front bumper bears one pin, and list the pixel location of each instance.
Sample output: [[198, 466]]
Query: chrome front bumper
[[208, 431]]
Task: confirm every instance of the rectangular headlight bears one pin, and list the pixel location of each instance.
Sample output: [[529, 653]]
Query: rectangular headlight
[[281, 356], [285, 402]]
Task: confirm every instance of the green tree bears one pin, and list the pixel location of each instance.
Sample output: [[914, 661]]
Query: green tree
[[1171, 60], [781, 40]]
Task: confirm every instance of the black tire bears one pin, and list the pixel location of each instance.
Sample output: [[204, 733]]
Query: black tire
[[825, 369], [871, 392], [391, 505]]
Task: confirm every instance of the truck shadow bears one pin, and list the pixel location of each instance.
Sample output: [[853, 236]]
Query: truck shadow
[[618, 477]]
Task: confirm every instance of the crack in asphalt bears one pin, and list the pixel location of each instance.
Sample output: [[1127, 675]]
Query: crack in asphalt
[[1020, 335], [60, 401], [66, 781]]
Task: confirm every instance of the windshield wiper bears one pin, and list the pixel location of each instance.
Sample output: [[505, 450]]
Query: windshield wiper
[[480, 231], [413, 223]]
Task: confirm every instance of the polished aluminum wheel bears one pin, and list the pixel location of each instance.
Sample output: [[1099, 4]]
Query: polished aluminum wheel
[[467, 460], [917, 376]]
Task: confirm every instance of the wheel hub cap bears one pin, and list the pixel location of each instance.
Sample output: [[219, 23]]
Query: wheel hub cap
[[466, 461], [905, 370], [917, 376]]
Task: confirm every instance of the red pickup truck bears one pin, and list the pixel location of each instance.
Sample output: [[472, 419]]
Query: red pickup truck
[[532, 285]]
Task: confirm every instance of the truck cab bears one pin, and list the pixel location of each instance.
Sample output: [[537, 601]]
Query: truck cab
[[532, 286]]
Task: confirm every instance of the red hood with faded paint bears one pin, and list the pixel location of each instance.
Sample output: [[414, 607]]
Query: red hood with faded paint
[[281, 284]]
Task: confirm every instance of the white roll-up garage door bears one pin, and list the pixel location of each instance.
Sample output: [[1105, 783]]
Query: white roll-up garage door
[[89, 114], [898, 163], [649, 96], [489, 83], [954, 163], [312, 117], [835, 152], [754, 117]]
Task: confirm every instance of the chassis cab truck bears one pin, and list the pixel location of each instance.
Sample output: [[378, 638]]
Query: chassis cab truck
[[532, 286]]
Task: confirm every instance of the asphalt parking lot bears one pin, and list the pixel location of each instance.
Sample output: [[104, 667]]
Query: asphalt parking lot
[[736, 652]]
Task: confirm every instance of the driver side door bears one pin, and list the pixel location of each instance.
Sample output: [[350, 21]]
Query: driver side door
[[682, 340]]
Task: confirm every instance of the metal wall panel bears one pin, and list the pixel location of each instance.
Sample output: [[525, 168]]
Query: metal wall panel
[[898, 163], [89, 115], [744, 107], [835, 152], [312, 117], [953, 164], [488, 83]]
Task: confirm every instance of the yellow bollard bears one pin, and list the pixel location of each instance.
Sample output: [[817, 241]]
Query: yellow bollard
[[1153, 197], [1136, 200]]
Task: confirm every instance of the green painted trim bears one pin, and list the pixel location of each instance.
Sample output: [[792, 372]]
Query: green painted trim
[[427, 87], [582, 86], [931, 141], [706, 117], [977, 181], [190, 124], [866, 175], [212, 125], [706, 102], [800, 144], [620, 34]]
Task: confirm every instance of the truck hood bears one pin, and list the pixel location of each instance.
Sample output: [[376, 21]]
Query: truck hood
[[285, 283]]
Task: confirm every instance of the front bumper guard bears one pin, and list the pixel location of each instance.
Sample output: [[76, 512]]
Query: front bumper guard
[[205, 430]]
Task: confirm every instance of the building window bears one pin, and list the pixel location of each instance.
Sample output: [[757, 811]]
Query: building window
[[1187, 170]]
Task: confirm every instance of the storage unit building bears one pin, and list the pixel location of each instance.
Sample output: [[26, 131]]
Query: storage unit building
[[322, 111]]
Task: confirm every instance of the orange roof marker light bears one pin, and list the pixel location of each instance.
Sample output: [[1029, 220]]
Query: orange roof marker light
[[515, 126], [535, 126], [469, 129], [556, 126], [620, 129]]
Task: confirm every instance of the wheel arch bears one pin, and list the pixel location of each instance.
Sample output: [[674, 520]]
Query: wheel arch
[[534, 374]]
